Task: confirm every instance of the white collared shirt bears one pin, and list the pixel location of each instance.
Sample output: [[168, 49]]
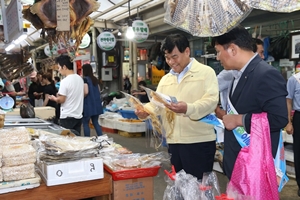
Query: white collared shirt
[[184, 71], [238, 73]]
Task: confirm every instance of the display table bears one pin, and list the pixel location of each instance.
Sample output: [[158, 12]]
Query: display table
[[101, 188]]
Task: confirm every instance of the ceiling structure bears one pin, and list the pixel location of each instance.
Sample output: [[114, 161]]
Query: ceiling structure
[[114, 15]]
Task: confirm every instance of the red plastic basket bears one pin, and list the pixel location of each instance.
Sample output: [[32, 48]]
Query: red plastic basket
[[132, 173]]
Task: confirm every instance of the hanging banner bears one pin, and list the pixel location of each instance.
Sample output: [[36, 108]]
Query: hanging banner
[[63, 15], [141, 31], [106, 41]]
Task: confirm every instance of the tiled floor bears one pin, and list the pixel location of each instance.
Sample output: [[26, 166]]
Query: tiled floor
[[141, 145]]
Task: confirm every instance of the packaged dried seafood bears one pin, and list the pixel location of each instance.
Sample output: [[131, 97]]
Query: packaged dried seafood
[[274, 5], [206, 18], [18, 135], [14, 155], [18, 172]]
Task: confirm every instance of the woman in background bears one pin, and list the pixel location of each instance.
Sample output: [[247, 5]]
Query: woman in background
[[92, 106], [48, 90]]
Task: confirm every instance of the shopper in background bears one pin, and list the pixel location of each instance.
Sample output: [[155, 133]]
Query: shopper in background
[[192, 144], [92, 106], [49, 89], [57, 82], [257, 87], [127, 84], [293, 127], [7, 87], [34, 88], [70, 95], [225, 78], [142, 95]]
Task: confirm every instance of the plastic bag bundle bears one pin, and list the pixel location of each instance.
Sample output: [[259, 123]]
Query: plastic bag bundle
[[171, 192], [55, 148], [18, 135], [18, 172], [188, 185], [209, 186], [14, 155], [185, 186]]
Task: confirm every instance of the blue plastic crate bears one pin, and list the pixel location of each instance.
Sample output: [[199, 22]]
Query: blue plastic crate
[[128, 114]]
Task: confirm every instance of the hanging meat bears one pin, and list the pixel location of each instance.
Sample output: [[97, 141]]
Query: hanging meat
[[42, 11]]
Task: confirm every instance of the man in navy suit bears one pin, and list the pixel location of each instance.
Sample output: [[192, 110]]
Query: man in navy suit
[[257, 87]]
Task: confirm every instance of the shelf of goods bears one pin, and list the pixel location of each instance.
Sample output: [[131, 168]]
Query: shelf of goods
[[40, 112]]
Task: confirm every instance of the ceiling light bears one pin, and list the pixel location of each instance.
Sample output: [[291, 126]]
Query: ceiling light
[[119, 33], [129, 32], [10, 47]]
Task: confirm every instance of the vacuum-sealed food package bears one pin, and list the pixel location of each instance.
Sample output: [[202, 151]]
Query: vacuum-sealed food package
[[18, 172], [18, 135], [14, 155]]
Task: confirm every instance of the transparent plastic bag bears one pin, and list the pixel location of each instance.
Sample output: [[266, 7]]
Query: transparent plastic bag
[[185, 186], [209, 186]]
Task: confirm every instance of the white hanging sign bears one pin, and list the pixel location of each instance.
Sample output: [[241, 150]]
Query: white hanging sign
[[85, 42], [141, 31], [106, 41]]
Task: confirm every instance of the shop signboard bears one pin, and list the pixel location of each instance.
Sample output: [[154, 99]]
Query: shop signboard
[[141, 31], [106, 41]]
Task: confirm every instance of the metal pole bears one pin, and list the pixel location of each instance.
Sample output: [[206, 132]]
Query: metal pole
[[134, 66]]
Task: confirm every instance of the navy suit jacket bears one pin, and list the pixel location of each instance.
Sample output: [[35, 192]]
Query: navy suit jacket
[[261, 88]]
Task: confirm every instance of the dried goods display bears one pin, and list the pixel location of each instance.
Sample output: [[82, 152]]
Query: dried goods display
[[206, 18], [275, 5], [41, 15]]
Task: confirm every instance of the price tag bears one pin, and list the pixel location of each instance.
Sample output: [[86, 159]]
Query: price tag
[[63, 15]]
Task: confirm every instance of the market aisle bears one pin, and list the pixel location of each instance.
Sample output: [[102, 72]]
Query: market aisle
[[139, 145]]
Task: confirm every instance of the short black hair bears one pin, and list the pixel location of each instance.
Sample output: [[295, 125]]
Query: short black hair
[[256, 42], [238, 36], [143, 83], [57, 78], [174, 40], [64, 60]]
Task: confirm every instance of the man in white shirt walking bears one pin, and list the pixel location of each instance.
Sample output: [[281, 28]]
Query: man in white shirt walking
[[70, 95]]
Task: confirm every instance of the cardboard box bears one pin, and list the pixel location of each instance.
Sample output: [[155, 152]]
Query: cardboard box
[[127, 134], [70, 172], [133, 189]]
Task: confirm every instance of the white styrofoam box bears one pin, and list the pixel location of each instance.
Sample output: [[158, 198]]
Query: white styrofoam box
[[133, 127], [123, 126], [290, 171], [73, 171], [286, 137], [289, 155]]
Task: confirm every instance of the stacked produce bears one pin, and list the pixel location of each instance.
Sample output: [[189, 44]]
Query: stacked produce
[[17, 155]]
